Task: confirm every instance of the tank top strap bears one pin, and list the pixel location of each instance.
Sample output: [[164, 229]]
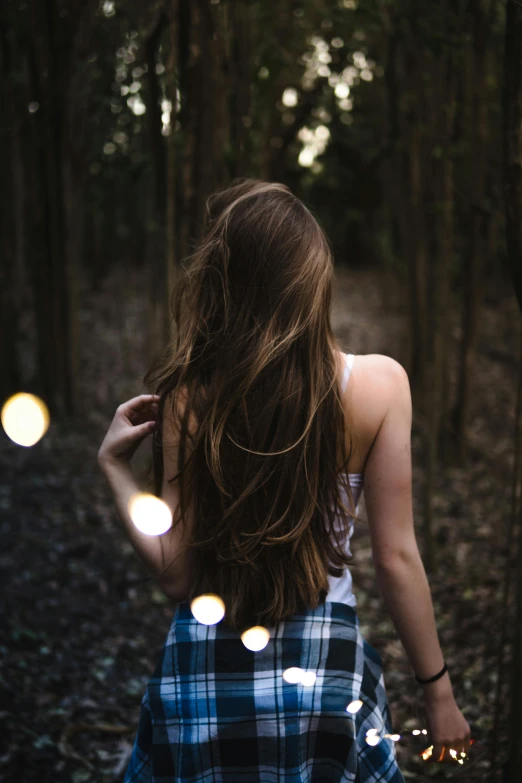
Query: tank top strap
[[347, 370]]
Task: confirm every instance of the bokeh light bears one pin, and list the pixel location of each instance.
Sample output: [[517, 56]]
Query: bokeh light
[[255, 638], [293, 675], [342, 90], [290, 97], [372, 737], [308, 679], [315, 141], [150, 514], [25, 418], [208, 609], [354, 706], [306, 157], [108, 8]]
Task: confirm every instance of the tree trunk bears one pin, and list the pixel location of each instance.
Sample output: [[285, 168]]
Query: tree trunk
[[512, 115], [11, 270], [512, 148], [418, 257], [171, 256], [154, 112], [438, 284], [474, 259], [446, 242], [41, 267], [408, 66], [49, 74], [73, 222], [190, 87], [156, 234], [242, 26]]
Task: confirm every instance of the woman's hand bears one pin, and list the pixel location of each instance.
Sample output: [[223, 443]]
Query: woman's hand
[[448, 729], [132, 422]]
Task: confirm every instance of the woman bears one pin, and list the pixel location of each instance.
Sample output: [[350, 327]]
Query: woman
[[261, 451]]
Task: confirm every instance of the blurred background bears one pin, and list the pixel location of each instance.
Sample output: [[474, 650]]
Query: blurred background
[[399, 125]]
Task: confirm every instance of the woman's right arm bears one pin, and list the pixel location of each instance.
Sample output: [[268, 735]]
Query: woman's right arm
[[399, 569]]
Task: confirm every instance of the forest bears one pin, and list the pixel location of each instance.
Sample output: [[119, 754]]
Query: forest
[[399, 124]]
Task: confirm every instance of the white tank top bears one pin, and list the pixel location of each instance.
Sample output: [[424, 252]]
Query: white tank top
[[341, 587]]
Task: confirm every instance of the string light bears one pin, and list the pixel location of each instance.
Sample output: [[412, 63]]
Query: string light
[[308, 678], [294, 675], [209, 609], [372, 737]]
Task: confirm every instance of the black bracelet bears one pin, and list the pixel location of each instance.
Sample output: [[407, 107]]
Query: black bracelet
[[435, 677]]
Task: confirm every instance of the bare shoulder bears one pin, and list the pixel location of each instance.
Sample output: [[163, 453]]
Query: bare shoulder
[[378, 384], [381, 377], [384, 365]]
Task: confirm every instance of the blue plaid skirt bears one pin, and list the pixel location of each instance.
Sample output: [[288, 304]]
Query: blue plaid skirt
[[215, 711]]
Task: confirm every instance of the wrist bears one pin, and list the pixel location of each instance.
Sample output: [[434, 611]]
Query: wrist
[[109, 463], [440, 690]]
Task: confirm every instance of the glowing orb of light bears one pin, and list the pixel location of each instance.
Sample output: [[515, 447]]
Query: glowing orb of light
[[427, 753], [290, 97], [150, 514], [354, 706], [308, 678], [25, 418], [372, 737], [208, 609], [424, 731], [342, 90], [416, 731], [255, 638], [293, 675]]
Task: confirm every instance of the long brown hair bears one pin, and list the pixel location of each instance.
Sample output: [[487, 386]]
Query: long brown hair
[[254, 358]]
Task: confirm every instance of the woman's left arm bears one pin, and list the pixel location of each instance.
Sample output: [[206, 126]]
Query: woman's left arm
[[168, 556], [124, 485], [132, 422]]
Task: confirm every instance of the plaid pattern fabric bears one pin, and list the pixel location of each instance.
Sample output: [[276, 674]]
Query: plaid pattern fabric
[[216, 712]]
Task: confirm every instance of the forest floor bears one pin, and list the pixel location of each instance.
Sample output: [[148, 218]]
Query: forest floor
[[81, 628]]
